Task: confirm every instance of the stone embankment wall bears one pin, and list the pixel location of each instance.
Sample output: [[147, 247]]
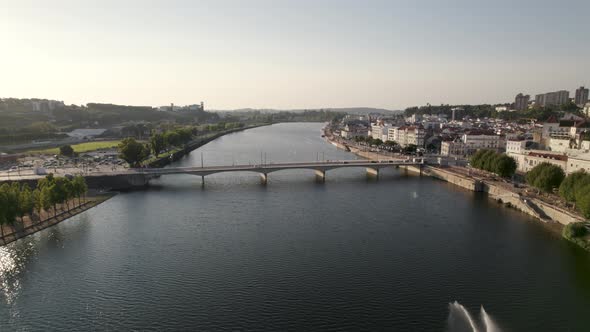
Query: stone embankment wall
[[458, 180], [528, 205], [532, 206]]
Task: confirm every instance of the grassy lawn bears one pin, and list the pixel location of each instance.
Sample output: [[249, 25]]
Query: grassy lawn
[[83, 147]]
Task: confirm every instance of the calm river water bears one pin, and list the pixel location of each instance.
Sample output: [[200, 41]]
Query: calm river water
[[350, 254]]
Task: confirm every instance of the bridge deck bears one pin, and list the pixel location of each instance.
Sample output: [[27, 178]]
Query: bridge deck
[[264, 169], [272, 167]]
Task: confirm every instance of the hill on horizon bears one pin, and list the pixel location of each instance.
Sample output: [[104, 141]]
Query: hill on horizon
[[349, 110]]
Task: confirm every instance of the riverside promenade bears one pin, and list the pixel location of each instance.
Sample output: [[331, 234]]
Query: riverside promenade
[[29, 227], [521, 198]]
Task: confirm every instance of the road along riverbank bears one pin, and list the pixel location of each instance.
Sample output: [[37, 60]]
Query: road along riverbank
[[13, 234]]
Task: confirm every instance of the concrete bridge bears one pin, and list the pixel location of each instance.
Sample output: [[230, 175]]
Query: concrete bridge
[[320, 168], [138, 177]]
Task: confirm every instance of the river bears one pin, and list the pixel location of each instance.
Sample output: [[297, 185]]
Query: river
[[353, 253]]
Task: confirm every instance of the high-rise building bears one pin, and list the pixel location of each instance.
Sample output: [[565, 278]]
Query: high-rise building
[[521, 102], [581, 96], [552, 98]]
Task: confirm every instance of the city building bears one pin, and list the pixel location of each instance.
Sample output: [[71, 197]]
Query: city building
[[352, 131], [43, 105], [393, 134], [560, 144], [521, 102], [475, 140], [581, 97], [552, 98], [379, 131], [527, 160], [453, 149], [516, 146], [188, 108], [579, 162], [414, 118], [407, 135]]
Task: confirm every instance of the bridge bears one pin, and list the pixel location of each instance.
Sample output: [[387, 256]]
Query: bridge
[[320, 168], [138, 177]]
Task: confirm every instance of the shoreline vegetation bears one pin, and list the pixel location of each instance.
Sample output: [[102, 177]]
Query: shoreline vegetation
[[175, 154], [578, 233], [17, 233], [25, 208]]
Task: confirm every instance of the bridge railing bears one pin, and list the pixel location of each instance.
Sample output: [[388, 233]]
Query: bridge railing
[[310, 164]]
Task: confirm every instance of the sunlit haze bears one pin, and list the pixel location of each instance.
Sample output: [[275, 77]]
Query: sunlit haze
[[292, 54]]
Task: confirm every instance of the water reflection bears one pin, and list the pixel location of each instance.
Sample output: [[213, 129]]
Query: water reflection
[[13, 260], [16, 257]]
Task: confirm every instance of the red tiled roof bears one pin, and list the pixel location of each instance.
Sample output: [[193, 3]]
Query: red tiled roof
[[548, 156]]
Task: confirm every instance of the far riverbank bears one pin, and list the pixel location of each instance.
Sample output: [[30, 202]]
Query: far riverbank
[[500, 191], [195, 144]]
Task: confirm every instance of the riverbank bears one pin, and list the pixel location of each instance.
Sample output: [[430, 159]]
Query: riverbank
[[16, 234], [500, 191], [195, 144]]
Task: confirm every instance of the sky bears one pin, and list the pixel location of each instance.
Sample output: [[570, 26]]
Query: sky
[[295, 54]]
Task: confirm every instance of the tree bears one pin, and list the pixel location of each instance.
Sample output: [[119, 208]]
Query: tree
[[545, 176], [37, 201], [45, 199], [411, 148], [184, 135], [391, 143], [576, 180], [66, 150], [56, 194], [505, 166], [132, 151], [172, 138], [80, 187], [69, 191], [3, 207], [46, 181], [477, 158], [487, 160], [26, 202], [9, 206], [583, 201], [157, 143]]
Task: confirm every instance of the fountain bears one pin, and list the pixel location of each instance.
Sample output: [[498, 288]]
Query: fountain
[[460, 320]]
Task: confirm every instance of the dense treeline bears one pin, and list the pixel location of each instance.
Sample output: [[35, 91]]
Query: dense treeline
[[489, 111], [16, 114], [134, 152], [18, 201], [478, 111], [492, 161], [392, 146]]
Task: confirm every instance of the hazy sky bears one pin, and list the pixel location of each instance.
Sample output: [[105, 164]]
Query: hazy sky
[[292, 54]]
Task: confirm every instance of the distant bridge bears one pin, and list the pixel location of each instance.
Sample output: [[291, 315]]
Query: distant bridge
[[320, 168]]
